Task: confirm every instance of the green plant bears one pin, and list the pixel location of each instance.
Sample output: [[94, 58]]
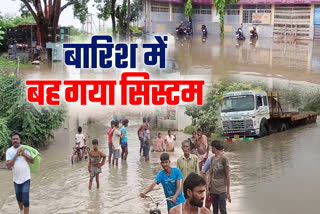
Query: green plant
[[189, 129], [36, 123], [4, 137], [188, 9], [1, 35], [221, 6]]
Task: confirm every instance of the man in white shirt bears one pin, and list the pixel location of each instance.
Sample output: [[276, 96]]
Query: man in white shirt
[[17, 159]]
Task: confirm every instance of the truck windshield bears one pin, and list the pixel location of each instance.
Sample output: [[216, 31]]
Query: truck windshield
[[238, 103]]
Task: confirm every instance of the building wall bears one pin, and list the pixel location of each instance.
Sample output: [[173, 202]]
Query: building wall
[[166, 22], [205, 19], [264, 31]]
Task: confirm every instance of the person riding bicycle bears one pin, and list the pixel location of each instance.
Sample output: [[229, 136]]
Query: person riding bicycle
[[80, 141], [170, 178]]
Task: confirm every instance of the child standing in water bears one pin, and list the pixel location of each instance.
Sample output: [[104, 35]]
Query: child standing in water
[[95, 164], [116, 134], [110, 141], [159, 143], [124, 139]]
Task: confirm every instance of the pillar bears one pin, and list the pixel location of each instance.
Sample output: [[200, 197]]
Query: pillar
[[171, 11], [240, 14]]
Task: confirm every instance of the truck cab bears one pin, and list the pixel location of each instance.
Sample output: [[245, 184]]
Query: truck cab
[[245, 114]]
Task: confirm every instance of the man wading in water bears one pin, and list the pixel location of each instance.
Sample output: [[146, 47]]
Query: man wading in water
[[17, 158], [202, 148], [193, 188]]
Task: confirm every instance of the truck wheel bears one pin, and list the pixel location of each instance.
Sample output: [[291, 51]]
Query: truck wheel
[[263, 128]]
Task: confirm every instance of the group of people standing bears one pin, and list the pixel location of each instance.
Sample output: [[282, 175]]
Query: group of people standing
[[196, 174], [187, 176]]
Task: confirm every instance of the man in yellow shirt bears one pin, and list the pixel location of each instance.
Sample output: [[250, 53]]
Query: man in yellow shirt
[[188, 162]]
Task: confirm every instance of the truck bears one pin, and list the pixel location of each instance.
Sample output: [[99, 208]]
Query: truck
[[257, 114]]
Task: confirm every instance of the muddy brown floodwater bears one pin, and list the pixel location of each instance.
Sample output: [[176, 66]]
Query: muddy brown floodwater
[[275, 174]]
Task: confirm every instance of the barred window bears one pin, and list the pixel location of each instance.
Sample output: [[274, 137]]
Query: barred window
[[202, 9], [248, 10], [159, 6], [232, 10], [178, 9]]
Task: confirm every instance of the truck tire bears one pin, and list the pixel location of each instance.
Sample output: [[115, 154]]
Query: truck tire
[[264, 128]]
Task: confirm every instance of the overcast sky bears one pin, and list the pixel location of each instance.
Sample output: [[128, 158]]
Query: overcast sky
[[12, 7]]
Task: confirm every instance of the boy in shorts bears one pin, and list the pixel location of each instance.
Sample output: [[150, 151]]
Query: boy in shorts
[[95, 164], [124, 139], [116, 134]]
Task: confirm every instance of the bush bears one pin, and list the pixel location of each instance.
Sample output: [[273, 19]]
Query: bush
[[4, 138], [35, 123], [189, 129]]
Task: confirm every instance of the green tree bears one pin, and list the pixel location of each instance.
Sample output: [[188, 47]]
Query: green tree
[[119, 14], [1, 35], [107, 9], [188, 9], [35, 123], [46, 14], [221, 6]]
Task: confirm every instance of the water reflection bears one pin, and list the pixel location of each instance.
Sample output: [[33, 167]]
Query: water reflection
[[299, 61]]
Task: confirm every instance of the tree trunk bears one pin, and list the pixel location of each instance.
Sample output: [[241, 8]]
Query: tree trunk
[[113, 18], [128, 21]]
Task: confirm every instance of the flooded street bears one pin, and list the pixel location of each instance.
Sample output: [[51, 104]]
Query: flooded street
[[275, 174], [267, 58], [268, 175]]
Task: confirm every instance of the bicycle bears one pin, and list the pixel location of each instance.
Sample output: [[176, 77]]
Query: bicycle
[[76, 154], [156, 210]]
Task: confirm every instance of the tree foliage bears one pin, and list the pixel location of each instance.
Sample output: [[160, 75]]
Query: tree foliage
[[188, 9], [221, 6], [46, 14], [107, 8], [35, 123], [206, 117], [1, 35]]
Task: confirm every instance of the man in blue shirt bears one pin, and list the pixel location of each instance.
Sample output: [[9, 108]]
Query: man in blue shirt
[[170, 178], [124, 140]]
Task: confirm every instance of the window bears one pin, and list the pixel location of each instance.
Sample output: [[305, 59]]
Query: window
[[265, 101], [259, 101], [178, 9], [232, 14], [232, 10], [248, 10], [159, 6], [202, 9], [238, 103]]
